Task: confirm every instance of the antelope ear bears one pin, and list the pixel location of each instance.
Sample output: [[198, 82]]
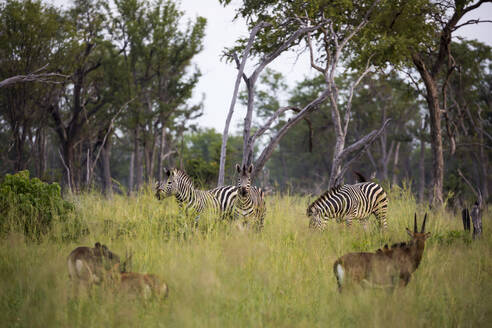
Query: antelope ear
[[250, 168], [427, 235], [410, 233], [238, 168], [97, 245]]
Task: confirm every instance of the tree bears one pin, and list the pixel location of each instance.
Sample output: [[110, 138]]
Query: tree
[[30, 43], [286, 25], [444, 17], [157, 56]]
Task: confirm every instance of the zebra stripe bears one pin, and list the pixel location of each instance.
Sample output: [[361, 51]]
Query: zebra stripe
[[226, 196], [250, 203], [181, 186], [349, 202]]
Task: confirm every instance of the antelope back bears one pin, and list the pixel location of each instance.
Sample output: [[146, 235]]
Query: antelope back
[[91, 264], [145, 285]]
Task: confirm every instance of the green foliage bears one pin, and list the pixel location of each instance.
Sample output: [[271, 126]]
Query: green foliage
[[394, 27], [201, 156], [30, 205]]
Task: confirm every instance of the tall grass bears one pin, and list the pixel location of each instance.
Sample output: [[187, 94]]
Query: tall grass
[[222, 276]]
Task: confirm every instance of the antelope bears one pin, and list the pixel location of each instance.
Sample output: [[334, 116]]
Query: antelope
[[144, 284], [389, 266], [90, 266]]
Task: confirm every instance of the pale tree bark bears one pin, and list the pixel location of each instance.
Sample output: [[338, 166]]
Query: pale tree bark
[[484, 163], [160, 155], [341, 119], [385, 152], [106, 169], [131, 172], [395, 164], [138, 160], [36, 76], [421, 192], [248, 139], [331, 92], [240, 73]]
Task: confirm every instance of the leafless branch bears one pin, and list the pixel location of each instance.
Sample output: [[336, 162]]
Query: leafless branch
[[472, 21], [476, 192], [34, 77]]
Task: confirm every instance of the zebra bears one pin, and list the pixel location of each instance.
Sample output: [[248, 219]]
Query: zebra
[[220, 200], [250, 203], [179, 184], [348, 202]]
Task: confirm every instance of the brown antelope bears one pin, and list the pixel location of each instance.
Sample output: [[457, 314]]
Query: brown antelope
[[144, 284], [91, 265], [387, 266]]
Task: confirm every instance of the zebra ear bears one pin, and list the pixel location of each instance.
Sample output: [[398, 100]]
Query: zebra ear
[[238, 168], [250, 168], [167, 172]]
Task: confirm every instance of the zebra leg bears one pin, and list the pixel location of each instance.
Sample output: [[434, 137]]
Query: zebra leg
[[381, 220], [315, 222], [348, 222]]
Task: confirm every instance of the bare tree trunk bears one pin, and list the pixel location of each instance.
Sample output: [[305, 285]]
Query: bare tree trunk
[[160, 156], [432, 98], [106, 157], [483, 163], [138, 160], [225, 134], [41, 152], [395, 164], [131, 172], [422, 168]]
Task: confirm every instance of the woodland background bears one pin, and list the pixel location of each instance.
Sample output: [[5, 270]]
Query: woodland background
[[101, 95]]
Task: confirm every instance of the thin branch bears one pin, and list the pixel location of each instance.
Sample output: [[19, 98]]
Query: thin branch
[[67, 169], [367, 139], [240, 73], [275, 115], [472, 21], [475, 191], [351, 94]]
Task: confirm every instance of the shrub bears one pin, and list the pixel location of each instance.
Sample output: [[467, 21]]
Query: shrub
[[30, 205]]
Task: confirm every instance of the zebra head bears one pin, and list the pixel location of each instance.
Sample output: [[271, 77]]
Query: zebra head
[[244, 179], [164, 188]]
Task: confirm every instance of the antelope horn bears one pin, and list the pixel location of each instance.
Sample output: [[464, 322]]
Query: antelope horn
[[415, 224], [423, 224]]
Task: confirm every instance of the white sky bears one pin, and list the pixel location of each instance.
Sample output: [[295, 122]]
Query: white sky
[[218, 77]]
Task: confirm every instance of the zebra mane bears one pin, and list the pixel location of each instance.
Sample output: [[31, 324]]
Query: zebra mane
[[184, 176], [327, 193], [332, 190]]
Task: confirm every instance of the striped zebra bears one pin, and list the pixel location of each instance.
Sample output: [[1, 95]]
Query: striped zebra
[[179, 184], [348, 202], [250, 203]]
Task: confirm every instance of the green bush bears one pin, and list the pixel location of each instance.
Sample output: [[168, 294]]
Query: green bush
[[30, 205]]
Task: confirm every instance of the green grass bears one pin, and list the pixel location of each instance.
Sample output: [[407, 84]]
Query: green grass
[[220, 276]]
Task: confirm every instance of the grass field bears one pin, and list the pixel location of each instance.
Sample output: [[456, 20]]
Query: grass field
[[220, 276]]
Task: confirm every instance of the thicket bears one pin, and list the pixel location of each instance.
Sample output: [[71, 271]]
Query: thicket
[[31, 206]]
